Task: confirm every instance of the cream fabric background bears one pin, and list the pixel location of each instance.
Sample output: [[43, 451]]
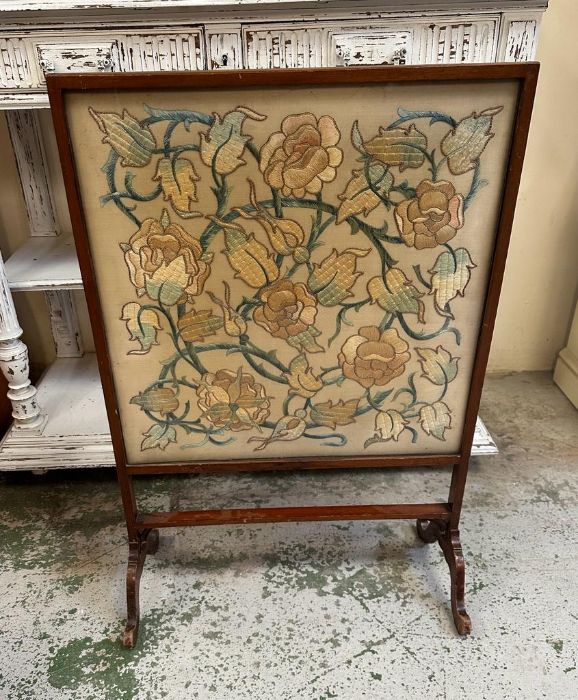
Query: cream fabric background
[[373, 106]]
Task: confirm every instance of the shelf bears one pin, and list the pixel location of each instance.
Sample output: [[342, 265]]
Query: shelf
[[44, 263], [76, 433]]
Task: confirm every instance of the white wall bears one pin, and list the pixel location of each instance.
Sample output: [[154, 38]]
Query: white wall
[[541, 278]]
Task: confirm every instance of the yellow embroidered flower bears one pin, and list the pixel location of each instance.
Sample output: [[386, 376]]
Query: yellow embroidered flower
[[233, 400], [302, 156], [166, 262], [373, 358], [142, 326], [395, 293], [178, 180], [233, 323], [432, 217]]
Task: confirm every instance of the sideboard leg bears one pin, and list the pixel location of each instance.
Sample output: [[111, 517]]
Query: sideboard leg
[[14, 363], [146, 542], [449, 541]]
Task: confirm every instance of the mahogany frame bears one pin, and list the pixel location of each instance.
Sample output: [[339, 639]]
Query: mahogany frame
[[435, 521]]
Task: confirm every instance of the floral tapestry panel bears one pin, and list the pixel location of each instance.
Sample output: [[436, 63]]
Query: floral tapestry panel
[[292, 272]]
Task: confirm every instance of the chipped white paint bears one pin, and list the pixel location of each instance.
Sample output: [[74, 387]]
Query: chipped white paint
[[25, 133], [519, 37], [14, 362], [14, 64], [44, 263], [64, 322], [26, 137], [75, 57], [160, 52], [224, 47], [368, 47], [453, 42], [284, 47], [223, 34], [22, 6]]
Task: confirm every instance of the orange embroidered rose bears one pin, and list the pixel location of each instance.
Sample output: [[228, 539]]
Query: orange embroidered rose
[[302, 156], [165, 261], [288, 311], [432, 217], [373, 358], [233, 400]]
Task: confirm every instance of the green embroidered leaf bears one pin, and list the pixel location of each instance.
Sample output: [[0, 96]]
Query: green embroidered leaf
[[131, 141], [435, 419], [464, 144], [438, 365], [332, 279], [389, 425], [396, 293], [158, 436], [450, 277], [362, 195], [356, 137], [306, 340], [332, 415], [196, 325], [142, 326], [301, 378], [398, 147], [159, 399], [223, 145]]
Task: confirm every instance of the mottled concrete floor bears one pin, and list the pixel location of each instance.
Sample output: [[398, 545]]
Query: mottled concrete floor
[[308, 611]]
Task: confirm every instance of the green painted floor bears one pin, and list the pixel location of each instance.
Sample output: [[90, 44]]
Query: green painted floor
[[306, 610]]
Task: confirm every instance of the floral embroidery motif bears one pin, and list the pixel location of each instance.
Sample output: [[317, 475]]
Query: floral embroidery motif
[[373, 358], [432, 217], [302, 156], [165, 262], [288, 311], [251, 288], [233, 400]]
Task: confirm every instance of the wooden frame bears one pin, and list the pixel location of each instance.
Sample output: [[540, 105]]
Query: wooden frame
[[436, 521]]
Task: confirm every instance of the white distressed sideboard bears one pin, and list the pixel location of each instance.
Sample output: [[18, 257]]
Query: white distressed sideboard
[[62, 423]]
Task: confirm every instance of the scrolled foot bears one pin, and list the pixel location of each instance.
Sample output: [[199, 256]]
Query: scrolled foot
[[452, 548], [146, 542], [449, 541]]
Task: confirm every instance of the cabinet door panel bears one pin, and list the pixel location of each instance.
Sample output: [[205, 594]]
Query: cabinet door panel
[[284, 47], [161, 52]]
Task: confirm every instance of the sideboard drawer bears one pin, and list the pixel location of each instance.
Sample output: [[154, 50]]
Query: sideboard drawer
[[85, 57], [371, 47]]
